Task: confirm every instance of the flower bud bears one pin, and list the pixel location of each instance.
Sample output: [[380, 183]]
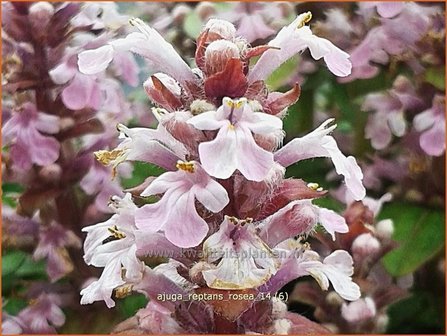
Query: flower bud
[[385, 229], [164, 91], [179, 12], [224, 29], [199, 106], [40, 14], [51, 173], [217, 54], [279, 308], [382, 323], [281, 327], [365, 246], [360, 310], [406, 281], [205, 9]]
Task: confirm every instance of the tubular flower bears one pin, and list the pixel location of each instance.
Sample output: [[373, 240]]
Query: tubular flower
[[234, 146], [293, 39], [111, 245], [319, 143], [245, 260], [176, 213], [28, 145]]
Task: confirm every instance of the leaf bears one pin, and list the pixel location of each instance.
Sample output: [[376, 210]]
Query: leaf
[[31, 269], [141, 171], [12, 261], [436, 77], [131, 304], [419, 314], [12, 188], [419, 232], [14, 305]]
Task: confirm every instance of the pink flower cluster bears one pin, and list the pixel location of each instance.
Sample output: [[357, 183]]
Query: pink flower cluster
[[223, 212]]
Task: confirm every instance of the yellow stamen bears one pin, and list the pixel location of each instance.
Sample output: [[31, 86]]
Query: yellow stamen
[[187, 166], [230, 103], [239, 103], [123, 291], [305, 18], [106, 157], [313, 186], [116, 233], [231, 127]]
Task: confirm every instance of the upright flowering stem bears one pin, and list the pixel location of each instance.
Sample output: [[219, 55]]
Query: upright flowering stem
[[50, 132], [225, 128]]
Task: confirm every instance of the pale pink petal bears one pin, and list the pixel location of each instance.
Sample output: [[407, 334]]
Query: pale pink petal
[[102, 289], [42, 150], [378, 131], [252, 161], [184, 227], [396, 121], [166, 181], [62, 73], [332, 222], [207, 121], [126, 67], [424, 120], [358, 311], [218, 157], [47, 123], [212, 195], [262, 123], [388, 9], [91, 62], [76, 95], [152, 217], [433, 140], [296, 218], [253, 27], [337, 268], [96, 98]]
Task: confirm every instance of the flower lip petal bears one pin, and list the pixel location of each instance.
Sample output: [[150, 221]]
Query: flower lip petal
[[91, 62]]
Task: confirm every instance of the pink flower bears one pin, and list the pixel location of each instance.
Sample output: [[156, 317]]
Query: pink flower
[[23, 131], [234, 146], [53, 243], [319, 143], [358, 311], [144, 144], [431, 123], [245, 261], [386, 9], [299, 218], [81, 91], [162, 58], [111, 245], [43, 316], [97, 182], [336, 268], [293, 39], [365, 246], [176, 213]]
